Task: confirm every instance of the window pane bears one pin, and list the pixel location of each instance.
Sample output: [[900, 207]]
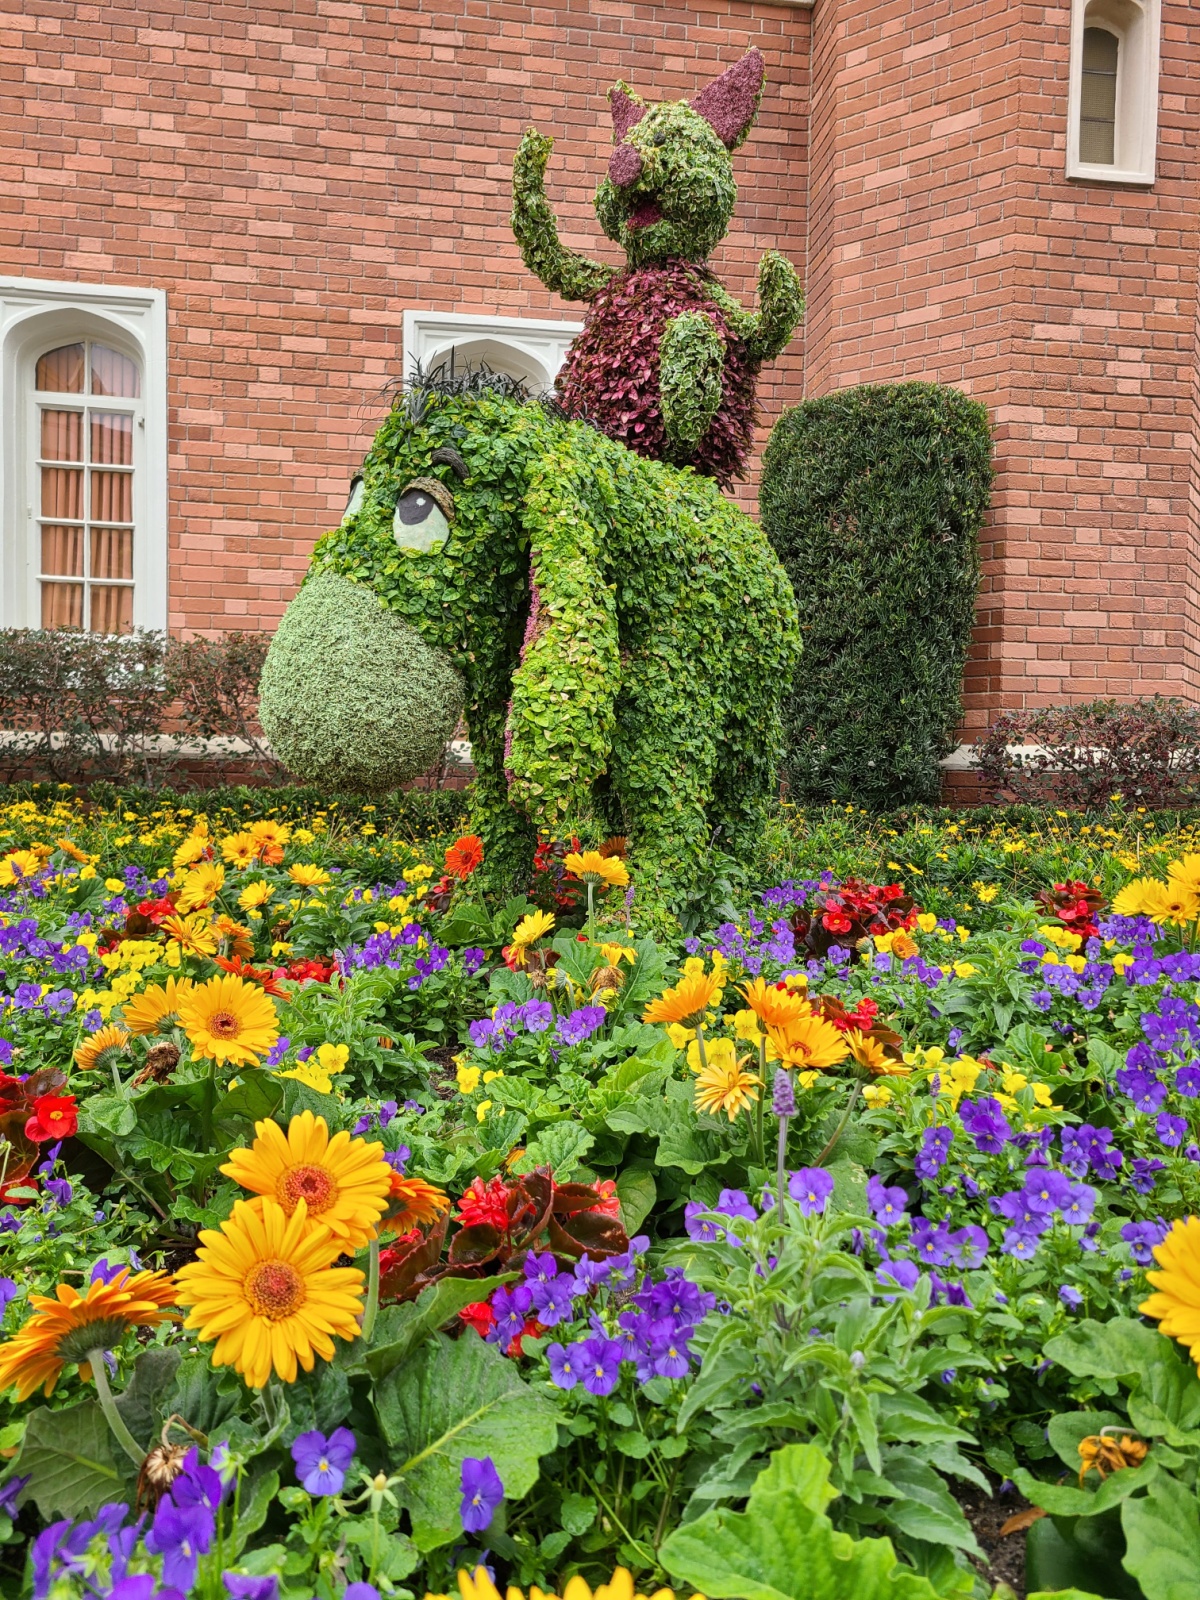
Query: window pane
[[114, 374], [112, 439], [62, 435], [62, 551], [112, 553], [61, 371], [112, 610], [1098, 97], [112, 496], [62, 492], [62, 605]]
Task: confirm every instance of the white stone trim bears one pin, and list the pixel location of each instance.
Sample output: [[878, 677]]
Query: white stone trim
[[529, 348], [34, 315], [1138, 26]]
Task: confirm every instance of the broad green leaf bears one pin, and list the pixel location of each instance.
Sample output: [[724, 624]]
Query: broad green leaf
[[1056, 1560], [73, 1461], [141, 1406], [255, 1503], [577, 1513], [401, 1329], [928, 1510], [1162, 1541], [782, 1547], [203, 1395], [257, 1098], [1063, 1594], [1069, 1427], [637, 1193], [907, 1417], [457, 1398], [1062, 1500], [108, 1113], [561, 1147], [1121, 1348]]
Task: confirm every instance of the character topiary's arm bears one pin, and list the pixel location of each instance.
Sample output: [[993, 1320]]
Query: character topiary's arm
[[691, 364], [781, 305], [561, 718], [562, 271]]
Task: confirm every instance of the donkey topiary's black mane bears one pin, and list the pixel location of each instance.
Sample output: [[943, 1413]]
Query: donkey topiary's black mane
[[471, 381]]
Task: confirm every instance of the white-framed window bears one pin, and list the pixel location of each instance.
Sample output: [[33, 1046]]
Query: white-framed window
[[83, 457], [1112, 107], [523, 347]]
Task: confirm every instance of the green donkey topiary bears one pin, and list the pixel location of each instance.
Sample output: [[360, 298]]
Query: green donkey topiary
[[668, 360], [617, 633]]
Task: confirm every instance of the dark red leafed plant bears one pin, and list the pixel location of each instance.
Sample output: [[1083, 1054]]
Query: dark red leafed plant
[[1074, 905], [499, 1224], [33, 1110], [552, 888], [843, 914]]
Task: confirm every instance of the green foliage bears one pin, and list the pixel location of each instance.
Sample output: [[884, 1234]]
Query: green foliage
[[689, 379], [873, 498], [562, 271], [659, 631], [351, 696], [783, 1547], [72, 1461]]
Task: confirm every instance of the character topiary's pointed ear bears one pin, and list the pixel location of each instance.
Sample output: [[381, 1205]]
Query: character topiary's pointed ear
[[627, 109], [730, 103]]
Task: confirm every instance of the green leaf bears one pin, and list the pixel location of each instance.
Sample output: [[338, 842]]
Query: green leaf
[[637, 1193], [257, 1097], [561, 1147], [928, 1510], [256, 1500], [577, 1513], [1162, 1541], [1062, 1500], [72, 1459], [782, 1547], [1069, 1427], [1121, 1348], [1055, 1559], [457, 1398], [401, 1329], [203, 1395], [108, 1113], [141, 1406]]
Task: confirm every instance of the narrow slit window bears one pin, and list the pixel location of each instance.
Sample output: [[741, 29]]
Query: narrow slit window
[[1098, 97], [86, 399]]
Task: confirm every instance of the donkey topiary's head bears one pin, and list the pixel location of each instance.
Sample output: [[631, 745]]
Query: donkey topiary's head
[[670, 190]]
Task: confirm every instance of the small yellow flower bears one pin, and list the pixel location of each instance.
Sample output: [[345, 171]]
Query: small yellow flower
[[728, 1088], [927, 922], [876, 1095], [333, 1057], [468, 1079], [309, 875], [745, 1026], [679, 1035], [115, 885], [1042, 1095], [309, 1074], [986, 892], [255, 894], [964, 969], [482, 1109], [719, 1052]]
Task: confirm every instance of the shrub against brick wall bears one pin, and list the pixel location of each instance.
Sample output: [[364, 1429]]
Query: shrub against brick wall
[[77, 707], [873, 498]]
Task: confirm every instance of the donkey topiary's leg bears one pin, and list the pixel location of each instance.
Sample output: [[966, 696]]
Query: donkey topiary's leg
[[508, 835]]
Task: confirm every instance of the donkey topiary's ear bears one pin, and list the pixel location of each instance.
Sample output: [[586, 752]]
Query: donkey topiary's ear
[[627, 109], [730, 103]]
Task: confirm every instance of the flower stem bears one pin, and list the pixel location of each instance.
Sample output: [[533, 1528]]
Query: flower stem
[[112, 1416], [591, 927], [760, 1111], [781, 1160], [372, 1307], [700, 1050], [840, 1129]]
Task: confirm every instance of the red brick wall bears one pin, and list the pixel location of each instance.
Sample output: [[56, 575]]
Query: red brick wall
[[947, 244], [296, 176]]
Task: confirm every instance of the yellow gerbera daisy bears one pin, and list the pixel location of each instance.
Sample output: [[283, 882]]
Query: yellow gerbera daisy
[[309, 875], [527, 932], [70, 1326], [411, 1202], [1171, 902], [869, 1053], [773, 1006], [191, 936], [479, 1586], [1176, 1302], [592, 867], [193, 847], [240, 850], [228, 1019], [344, 1182], [1184, 874], [201, 886], [157, 1007], [16, 865], [273, 835], [808, 1042], [255, 895], [727, 1087], [687, 1002], [101, 1048], [264, 1289]]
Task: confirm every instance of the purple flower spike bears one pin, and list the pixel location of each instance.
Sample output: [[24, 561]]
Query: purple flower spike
[[482, 1492]]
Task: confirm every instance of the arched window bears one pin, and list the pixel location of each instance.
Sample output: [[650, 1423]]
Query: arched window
[[83, 457], [86, 410], [529, 350], [1112, 114]]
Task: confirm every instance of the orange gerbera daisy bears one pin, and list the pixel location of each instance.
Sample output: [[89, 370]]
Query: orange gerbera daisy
[[102, 1048], [71, 1327], [687, 1003], [344, 1182], [464, 855], [773, 1004], [412, 1201], [870, 1053]]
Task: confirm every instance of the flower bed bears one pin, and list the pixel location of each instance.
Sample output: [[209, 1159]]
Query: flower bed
[[356, 1233]]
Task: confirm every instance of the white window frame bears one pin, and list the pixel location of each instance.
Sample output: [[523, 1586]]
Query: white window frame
[[1137, 25], [36, 317], [536, 348]]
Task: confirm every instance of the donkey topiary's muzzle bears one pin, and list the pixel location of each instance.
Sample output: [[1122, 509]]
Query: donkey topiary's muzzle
[[352, 698]]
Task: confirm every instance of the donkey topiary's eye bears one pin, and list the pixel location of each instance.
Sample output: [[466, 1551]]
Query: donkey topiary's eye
[[659, 138], [423, 515], [357, 494]]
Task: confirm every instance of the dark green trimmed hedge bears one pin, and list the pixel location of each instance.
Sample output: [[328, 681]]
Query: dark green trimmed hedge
[[873, 498]]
